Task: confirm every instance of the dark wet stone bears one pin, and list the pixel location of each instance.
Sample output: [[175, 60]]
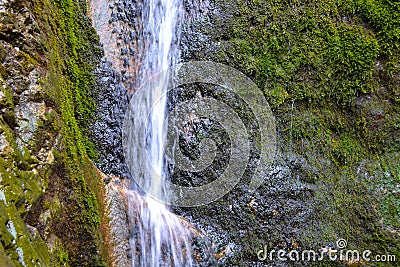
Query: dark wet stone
[[111, 101]]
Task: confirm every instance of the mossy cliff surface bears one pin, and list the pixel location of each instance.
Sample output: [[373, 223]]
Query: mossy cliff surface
[[49, 210], [330, 70]]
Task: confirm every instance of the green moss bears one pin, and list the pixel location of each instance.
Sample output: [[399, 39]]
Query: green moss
[[7, 102], [28, 63], [58, 198], [330, 70], [16, 235], [296, 45], [72, 54]]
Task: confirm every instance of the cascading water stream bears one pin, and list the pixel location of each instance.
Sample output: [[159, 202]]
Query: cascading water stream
[[160, 238], [148, 35]]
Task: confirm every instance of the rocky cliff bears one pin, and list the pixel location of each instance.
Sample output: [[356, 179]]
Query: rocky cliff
[[49, 208], [329, 69]]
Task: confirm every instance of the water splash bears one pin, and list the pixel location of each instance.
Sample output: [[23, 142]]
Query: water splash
[[159, 237]]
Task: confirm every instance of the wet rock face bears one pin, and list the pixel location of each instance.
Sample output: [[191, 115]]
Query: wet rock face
[[111, 101], [117, 238], [241, 222], [118, 25], [303, 191]]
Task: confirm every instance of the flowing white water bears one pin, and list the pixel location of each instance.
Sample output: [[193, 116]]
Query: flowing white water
[[158, 238]]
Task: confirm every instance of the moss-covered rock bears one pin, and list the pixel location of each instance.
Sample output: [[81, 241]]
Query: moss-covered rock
[[330, 71], [49, 209]]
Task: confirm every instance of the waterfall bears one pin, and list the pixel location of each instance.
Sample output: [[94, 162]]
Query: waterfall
[[161, 38], [159, 238], [141, 38]]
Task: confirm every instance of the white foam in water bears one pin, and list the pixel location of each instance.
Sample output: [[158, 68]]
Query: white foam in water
[[158, 239]]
